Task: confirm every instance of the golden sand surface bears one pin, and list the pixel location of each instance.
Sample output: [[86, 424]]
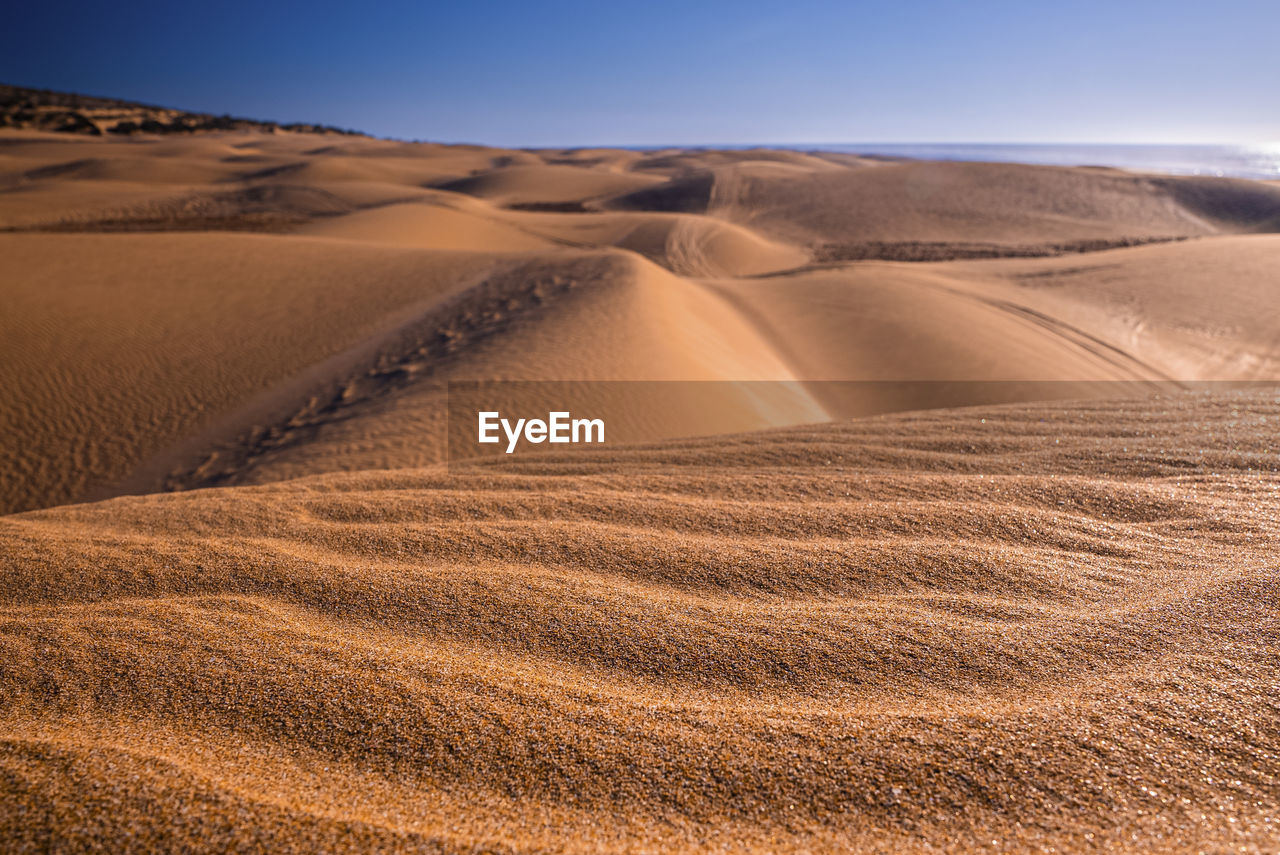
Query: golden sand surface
[[1028, 627], [221, 308], [246, 605]]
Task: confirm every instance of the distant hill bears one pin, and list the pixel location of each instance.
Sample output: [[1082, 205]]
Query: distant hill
[[67, 112]]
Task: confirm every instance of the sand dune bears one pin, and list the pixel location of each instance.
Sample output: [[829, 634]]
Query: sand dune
[[883, 321], [50, 180], [892, 323], [1200, 310], [778, 620], [368, 226], [899, 206], [106, 360], [429, 227], [843, 206], [689, 245], [533, 321], [1194, 310], [548, 185], [677, 161], [927, 628]]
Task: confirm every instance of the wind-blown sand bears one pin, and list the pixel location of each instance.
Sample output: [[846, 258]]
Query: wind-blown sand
[[1008, 628], [1042, 625]]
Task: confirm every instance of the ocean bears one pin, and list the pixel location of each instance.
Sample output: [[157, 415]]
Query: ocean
[[1240, 161]]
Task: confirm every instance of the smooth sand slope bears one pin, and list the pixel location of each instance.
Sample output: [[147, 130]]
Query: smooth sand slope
[[582, 324], [1022, 628], [115, 345], [1196, 310], [1205, 309]]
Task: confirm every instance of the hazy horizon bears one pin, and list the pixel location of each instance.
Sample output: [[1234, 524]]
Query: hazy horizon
[[792, 144]]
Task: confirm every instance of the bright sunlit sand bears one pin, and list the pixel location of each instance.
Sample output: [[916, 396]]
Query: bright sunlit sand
[[842, 498]]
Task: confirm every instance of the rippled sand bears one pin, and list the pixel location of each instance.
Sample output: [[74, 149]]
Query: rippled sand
[[1019, 627], [276, 621]]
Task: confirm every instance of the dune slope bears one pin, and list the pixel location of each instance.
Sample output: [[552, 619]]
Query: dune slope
[[112, 346], [917, 211], [1022, 627], [592, 323]]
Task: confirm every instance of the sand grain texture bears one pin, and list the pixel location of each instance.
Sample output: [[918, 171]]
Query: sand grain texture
[[941, 629], [244, 605]]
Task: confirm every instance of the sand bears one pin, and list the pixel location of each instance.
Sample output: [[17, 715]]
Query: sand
[[246, 605], [941, 629], [180, 298]]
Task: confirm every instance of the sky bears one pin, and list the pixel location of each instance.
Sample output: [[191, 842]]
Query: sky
[[681, 73]]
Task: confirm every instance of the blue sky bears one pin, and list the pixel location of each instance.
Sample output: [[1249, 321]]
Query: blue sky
[[651, 73]]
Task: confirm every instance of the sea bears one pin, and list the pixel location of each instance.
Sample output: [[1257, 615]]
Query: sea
[[1239, 161]]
